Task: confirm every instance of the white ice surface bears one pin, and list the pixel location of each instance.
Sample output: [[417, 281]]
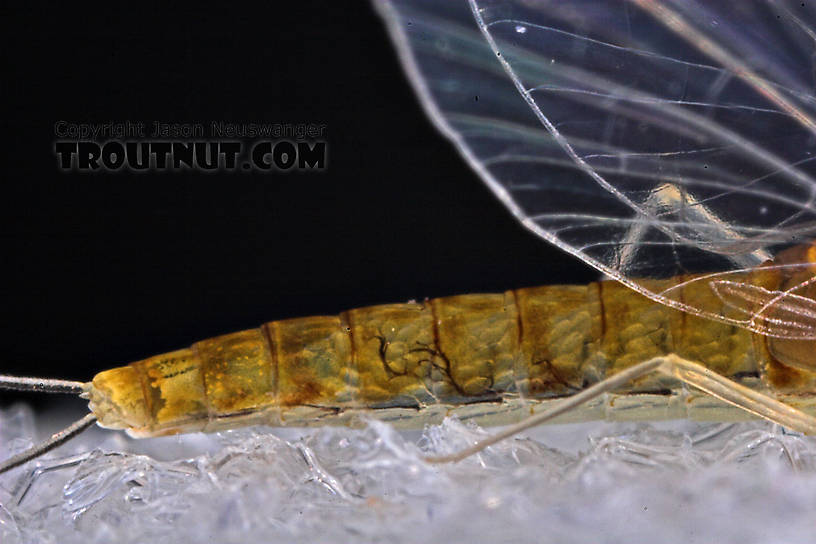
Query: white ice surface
[[598, 482]]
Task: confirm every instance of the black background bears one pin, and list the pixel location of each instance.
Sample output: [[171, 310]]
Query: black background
[[102, 269]]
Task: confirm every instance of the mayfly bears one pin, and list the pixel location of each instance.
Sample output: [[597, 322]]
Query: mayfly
[[667, 144]]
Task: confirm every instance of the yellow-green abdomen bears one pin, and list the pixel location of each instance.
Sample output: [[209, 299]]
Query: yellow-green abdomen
[[477, 350]]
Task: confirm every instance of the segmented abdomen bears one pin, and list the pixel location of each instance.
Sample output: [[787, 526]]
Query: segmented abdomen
[[533, 343]]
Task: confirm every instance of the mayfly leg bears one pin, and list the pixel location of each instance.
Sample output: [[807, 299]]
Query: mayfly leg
[[686, 371]]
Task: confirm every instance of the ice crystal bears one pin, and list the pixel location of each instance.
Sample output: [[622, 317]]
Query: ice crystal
[[679, 482]]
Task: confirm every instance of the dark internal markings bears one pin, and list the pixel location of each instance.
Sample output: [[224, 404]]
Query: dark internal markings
[[557, 378], [444, 368], [383, 352]]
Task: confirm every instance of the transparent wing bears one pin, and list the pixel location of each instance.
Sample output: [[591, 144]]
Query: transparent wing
[[649, 139]]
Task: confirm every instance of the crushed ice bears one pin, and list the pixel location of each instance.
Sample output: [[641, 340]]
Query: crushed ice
[[631, 483]]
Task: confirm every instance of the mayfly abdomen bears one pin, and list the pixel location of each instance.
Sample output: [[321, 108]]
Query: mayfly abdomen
[[400, 361]]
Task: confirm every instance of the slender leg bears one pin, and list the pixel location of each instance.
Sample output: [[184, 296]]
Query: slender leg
[[686, 371]]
